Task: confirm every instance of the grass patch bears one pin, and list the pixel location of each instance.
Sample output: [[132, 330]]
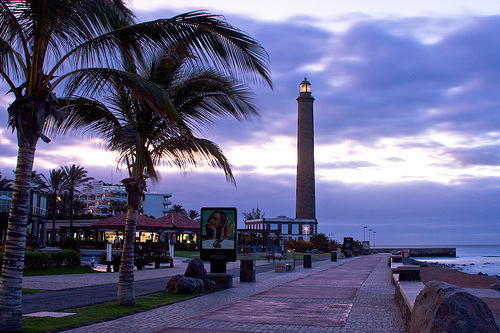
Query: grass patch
[[186, 254], [32, 291], [96, 313], [59, 271]]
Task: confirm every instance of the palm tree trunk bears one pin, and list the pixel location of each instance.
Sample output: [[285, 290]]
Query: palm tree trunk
[[13, 262], [126, 294], [54, 210], [71, 228], [135, 188]]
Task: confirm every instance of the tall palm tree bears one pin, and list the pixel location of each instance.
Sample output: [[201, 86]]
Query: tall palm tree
[[54, 185], [73, 177], [42, 39], [146, 137]]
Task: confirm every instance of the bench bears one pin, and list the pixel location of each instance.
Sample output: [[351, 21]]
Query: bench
[[283, 266], [273, 256]]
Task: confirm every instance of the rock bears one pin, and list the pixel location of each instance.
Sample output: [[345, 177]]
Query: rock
[[495, 286], [180, 284], [442, 307], [196, 269]]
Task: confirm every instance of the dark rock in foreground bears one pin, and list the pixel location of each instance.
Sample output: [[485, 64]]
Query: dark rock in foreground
[[442, 307], [180, 284]]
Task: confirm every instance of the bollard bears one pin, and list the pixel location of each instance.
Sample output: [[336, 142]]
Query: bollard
[[247, 270], [334, 255], [307, 261]]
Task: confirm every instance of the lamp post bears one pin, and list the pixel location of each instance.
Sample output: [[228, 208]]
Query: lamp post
[[364, 228], [369, 237], [374, 239]]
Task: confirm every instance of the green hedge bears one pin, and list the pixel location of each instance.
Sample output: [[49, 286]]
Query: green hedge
[[37, 259]]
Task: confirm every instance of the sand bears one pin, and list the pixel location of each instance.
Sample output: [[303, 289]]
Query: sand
[[464, 280]]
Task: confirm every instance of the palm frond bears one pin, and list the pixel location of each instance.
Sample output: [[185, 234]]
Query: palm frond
[[210, 37], [92, 81]]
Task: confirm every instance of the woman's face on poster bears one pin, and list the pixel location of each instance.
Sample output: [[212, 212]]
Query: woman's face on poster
[[215, 221]]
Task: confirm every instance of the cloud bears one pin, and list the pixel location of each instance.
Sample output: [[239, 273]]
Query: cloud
[[409, 97]]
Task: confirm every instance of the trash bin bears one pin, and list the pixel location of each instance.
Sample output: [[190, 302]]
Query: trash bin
[[334, 255], [307, 261], [247, 270]]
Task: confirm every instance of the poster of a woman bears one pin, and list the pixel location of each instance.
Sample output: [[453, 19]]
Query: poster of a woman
[[218, 227]]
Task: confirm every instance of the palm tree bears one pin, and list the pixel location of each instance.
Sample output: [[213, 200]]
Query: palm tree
[[145, 137], [178, 210], [5, 182], [73, 177], [54, 184], [42, 38], [193, 214]]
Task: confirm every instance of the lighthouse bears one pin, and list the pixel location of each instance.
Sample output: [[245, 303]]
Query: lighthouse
[[305, 204]]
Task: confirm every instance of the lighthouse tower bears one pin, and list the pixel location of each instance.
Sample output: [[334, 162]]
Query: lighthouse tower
[[305, 204]]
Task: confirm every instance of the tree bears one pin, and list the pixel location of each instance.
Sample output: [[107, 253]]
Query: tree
[[38, 38], [5, 182], [73, 176], [178, 210], [193, 214], [320, 242], [54, 185], [255, 214], [146, 136]]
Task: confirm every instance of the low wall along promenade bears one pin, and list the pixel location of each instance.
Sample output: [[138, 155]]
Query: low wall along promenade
[[421, 251]]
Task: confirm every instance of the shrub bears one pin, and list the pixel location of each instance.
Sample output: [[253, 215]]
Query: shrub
[[71, 257], [57, 258], [37, 260], [69, 243], [32, 242]]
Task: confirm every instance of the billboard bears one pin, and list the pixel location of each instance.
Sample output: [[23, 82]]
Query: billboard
[[218, 234]]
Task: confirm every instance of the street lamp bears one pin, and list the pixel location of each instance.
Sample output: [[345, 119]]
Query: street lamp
[[306, 229], [364, 228], [374, 239], [369, 237]]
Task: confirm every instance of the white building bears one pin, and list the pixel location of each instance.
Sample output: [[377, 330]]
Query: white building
[[104, 199], [287, 228]]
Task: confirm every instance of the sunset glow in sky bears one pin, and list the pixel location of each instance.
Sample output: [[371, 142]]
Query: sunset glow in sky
[[407, 119]]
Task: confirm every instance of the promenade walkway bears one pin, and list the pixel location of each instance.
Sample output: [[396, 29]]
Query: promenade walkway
[[350, 295]]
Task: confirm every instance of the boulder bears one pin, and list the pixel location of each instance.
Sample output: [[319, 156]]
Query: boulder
[[196, 269], [180, 284], [442, 307]]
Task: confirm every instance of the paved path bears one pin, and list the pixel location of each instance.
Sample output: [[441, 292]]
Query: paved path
[[350, 295], [78, 290]]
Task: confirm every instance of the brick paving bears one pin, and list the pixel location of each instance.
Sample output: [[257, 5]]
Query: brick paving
[[350, 295]]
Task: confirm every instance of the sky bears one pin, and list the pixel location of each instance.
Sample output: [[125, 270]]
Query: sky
[[407, 121]]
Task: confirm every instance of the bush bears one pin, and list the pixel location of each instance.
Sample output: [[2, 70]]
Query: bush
[[32, 242], [71, 258], [37, 260], [300, 245], [57, 258], [69, 243]]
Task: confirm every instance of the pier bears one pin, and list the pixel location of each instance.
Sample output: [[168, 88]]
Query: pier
[[421, 251]]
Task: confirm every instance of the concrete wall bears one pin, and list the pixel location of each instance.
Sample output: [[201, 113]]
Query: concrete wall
[[422, 251]]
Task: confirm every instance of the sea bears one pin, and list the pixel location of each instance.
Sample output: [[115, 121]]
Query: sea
[[472, 259]]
